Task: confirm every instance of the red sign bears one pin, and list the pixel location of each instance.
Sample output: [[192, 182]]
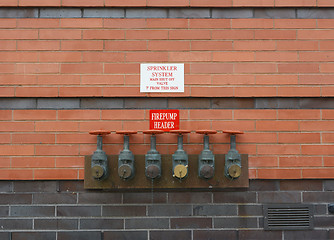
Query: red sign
[[164, 120]]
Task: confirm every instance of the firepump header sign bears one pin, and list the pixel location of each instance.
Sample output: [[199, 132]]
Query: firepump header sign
[[162, 77], [165, 120]]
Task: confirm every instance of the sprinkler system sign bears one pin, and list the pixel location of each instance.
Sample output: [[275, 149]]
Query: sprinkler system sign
[[164, 120], [160, 77]]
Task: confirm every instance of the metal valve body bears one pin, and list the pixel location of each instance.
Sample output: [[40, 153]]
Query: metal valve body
[[153, 161], [180, 160], [99, 162], [126, 166], [233, 161], [206, 161]]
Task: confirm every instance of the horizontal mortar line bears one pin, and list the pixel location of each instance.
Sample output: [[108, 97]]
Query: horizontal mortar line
[[168, 12]]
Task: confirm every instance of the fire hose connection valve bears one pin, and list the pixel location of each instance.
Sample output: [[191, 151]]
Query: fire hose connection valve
[[99, 162], [180, 157], [126, 167], [206, 160], [153, 157], [233, 158]]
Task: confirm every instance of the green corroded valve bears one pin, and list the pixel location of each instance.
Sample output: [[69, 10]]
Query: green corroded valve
[[99, 162], [206, 160], [153, 157], [126, 167], [180, 157], [233, 158]]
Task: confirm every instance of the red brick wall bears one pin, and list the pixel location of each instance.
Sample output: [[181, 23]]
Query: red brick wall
[[223, 58]]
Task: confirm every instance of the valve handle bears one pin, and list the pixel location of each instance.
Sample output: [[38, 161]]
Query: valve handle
[[233, 132], [206, 131], [179, 131], [153, 131], [126, 132], [100, 132]]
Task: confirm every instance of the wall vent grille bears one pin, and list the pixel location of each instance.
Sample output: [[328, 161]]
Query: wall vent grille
[[288, 217]]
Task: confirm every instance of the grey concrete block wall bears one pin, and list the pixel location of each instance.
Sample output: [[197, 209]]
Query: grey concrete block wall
[[65, 210]]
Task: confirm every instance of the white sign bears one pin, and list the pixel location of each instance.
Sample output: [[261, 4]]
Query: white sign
[[162, 77]]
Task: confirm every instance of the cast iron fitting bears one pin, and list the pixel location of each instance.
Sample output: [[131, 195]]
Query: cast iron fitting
[[180, 157], [153, 157], [126, 168], [99, 161], [232, 168], [206, 160]]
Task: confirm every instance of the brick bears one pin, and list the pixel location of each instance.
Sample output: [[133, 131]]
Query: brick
[[38, 23], [103, 34], [34, 235], [313, 35], [254, 45], [185, 223], [276, 56], [315, 173], [36, 92], [7, 45], [210, 45], [61, 174], [44, 103], [37, 68], [211, 68], [328, 161], [215, 210], [68, 162], [122, 3], [123, 235], [121, 211], [70, 68], [210, 23], [5, 138], [83, 45], [121, 68], [80, 91], [232, 34], [33, 162], [147, 34], [32, 211], [169, 210], [302, 185], [316, 56], [18, 13], [212, 91], [103, 57], [298, 114], [7, 92], [122, 92], [189, 34], [279, 174], [298, 91], [144, 197], [255, 91], [61, 150], [326, 67], [328, 185], [59, 34], [296, 161], [34, 115], [60, 13], [252, 23], [147, 223], [55, 224], [241, 125], [275, 34], [9, 3], [299, 138], [325, 3], [263, 161], [39, 3], [318, 197], [16, 126], [78, 114], [60, 56], [210, 114], [127, 45], [102, 79], [82, 3], [189, 13], [327, 138], [315, 13], [320, 80], [7, 23], [232, 13], [54, 79], [271, 79], [19, 57], [54, 198], [83, 235], [324, 23], [255, 67], [11, 224], [254, 114], [328, 91], [29, 186], [91, 125], [298, 45], [146, 13], [122, 114], [278, 149], [234, 197], [238, 222], [101, 103], [275, 13], [7, 199], [210, 3], [259, 234], [215, 234], [19, 150], [164, 3], [70, 138], [103, 13], [307, 235], [101, 224], [105, 198], [148, 57], [166, 235], [16, 174], [316, 126], [125, 23], [7, 68], [232, 56], [302, 3]]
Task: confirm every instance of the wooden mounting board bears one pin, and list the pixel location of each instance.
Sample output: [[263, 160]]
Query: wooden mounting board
[[167, 181]]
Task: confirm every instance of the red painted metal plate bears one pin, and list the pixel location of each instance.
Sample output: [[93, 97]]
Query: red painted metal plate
[[166, 119]]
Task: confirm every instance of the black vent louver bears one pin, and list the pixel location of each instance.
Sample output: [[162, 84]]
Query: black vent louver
[[288, 217]]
